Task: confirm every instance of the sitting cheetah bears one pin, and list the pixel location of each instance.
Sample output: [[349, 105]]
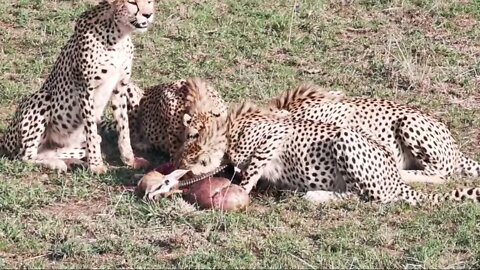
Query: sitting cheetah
[[418, 141], [60, 120], [161, 118], [324, 160]]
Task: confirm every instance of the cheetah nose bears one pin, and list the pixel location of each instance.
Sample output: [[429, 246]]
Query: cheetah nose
[[147, 15]]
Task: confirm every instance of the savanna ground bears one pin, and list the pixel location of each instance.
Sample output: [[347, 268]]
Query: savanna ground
[[422, 53]]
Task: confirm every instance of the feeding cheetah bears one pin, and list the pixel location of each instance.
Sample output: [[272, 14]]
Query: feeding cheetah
[[423, 147], [326, 161], [162, 118], [59, 121]]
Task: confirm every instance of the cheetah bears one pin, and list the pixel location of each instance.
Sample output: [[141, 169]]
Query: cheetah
[[326, 161], [423, 147], [161, 119], [59, 121]]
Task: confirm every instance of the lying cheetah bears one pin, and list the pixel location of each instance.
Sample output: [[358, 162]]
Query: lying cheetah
[[161, 118], [60, 120], [418, 141], [324, 160]]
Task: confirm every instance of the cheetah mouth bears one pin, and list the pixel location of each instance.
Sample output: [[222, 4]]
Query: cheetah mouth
[[139, 26], [225, 171]]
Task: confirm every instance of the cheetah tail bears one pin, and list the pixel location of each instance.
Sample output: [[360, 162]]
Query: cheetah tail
[[468, 167], [413, 197], [304, 93]]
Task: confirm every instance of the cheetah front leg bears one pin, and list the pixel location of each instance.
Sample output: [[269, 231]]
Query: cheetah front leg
[[262, 156], [120, 113], [253, 172], [93, 139]]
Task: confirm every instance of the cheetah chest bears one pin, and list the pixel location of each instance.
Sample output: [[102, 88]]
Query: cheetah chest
[[113, 68]]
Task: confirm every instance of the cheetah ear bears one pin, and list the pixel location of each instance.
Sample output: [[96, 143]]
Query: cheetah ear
[[187, 119]]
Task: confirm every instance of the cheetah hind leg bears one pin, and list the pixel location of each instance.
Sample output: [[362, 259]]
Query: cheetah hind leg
[[50, 163], [435, 163], [369, 170], [62, 159], [429, 175], [383, 182]]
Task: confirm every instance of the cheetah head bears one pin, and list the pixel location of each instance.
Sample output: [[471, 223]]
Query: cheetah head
[[205, 151], [196, 122], [134, 15], [201, 106]]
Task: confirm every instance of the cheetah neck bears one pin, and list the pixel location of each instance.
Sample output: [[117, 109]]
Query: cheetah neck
[[109, 29], [115, 32]]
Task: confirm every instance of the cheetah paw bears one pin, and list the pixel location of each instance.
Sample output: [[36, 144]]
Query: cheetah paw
[[56, 164], [322, 196], [73, 162], [139, 163], [98, 169]]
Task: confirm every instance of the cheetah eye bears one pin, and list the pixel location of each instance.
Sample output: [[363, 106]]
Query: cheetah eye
[[193, 136], [215, 114]]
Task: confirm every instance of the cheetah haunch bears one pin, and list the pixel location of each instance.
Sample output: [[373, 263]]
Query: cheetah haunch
[[324, 160], [423, 147], [59, 121]]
